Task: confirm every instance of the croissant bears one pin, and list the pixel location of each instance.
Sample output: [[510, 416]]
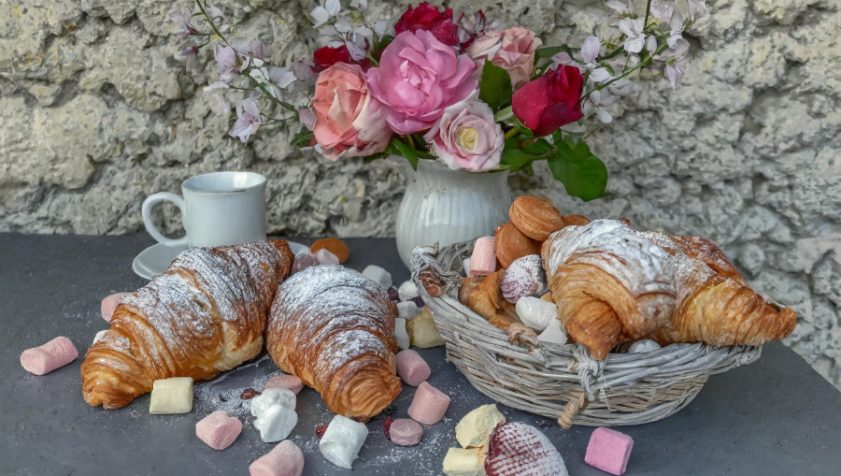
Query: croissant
[[205, 314], [613, 284], [483, 295], [334, 329]]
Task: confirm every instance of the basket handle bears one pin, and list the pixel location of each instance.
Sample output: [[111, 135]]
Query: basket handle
[[427, 270]]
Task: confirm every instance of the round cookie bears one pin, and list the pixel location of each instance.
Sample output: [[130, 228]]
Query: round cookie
[[535, 217], [511, 244]]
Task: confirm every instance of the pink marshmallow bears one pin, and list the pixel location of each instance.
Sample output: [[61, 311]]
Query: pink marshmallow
[[218, 430], [289, 382], [405, 432], [325, 256], [412, 368], [285, 459], [429, 404], [483, 259], [48, 357], [609, 450], [109, 304]]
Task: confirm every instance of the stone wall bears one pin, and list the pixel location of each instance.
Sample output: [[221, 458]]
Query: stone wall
[[97, 112]]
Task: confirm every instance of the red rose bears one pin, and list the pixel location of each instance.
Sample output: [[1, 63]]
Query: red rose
[[327, 56], [427, 17], [550, 101]]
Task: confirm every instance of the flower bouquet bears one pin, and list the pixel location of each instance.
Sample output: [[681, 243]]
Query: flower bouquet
[[459, 89]]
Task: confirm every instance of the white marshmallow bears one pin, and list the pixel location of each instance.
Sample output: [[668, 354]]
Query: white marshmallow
[[408, 291], [342, 441], [401, 335], [171, 395], [465, 264], [270, 397], [275, 423], [407, 310], [642, 346], [554, 333], [378, 275], [535, 312]]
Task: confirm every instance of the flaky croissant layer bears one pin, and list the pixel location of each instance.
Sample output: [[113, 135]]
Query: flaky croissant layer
[[613, 284], [205, 314], [334, 328]]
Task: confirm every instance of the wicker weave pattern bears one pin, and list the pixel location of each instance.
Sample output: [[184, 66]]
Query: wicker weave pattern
[[563, 382]]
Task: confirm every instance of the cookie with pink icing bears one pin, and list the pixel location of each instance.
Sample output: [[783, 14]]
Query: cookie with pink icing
[[525, 277]]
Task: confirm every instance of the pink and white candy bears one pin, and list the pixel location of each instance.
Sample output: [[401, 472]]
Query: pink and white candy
[[109, 304], [405, 432], [285, 459], [48, 357], [525, 277], [218, 430], [483, 259], [516, 448], [289, 382], [429, 404], [411, 367], [609, 450]]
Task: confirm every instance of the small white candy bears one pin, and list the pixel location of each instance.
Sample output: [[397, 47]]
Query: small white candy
[[99, 335], [407, 310], [641, 346], [401, 335], [465, 264], [326, 257], [171, 395], [275, 423], [554, 333], [342, 441], [377, 275], [535, 312], [271, 397], [408, 290]]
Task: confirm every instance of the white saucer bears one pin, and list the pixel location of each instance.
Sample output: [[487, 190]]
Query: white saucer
[[156, 258]]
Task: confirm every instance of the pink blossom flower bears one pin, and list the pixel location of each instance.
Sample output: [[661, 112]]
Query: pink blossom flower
[[182, 21], [248, 120], [467, 136], [226, 59], [418, 78], [348, 122], [512, 50]]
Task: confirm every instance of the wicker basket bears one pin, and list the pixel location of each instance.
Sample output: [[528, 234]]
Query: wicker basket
[[563, 381]]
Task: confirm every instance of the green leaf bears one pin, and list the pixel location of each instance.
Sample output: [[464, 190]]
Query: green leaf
[[380, 45], [495, 86], [515, 159], [583, 174], [549, 51], [303, 138], [398, 147], [537, 147]]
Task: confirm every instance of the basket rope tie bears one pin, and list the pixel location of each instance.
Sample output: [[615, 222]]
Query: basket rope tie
[[588, 369], [571, 409]]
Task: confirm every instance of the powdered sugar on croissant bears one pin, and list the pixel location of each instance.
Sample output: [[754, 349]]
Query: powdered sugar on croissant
[[205, 314], [334, 328], [613, 284]]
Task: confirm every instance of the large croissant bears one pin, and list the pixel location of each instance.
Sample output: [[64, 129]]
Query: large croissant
[[613, 284], [334, 329], [205, 314]]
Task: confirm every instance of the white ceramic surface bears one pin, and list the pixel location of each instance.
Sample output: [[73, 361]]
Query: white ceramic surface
[[447, 206], [220, 208], [156, 258]]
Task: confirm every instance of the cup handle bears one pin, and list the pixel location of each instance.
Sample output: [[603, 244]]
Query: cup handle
[[146, 210]]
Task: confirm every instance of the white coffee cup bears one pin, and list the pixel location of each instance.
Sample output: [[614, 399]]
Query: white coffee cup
[[220, 208]]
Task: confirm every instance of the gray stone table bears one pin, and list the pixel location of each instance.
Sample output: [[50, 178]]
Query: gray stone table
[[776, 416]]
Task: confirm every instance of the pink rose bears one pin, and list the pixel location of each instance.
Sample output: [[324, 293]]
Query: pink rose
[[348, 121], [418, 78], [512, 50], [467, 137]]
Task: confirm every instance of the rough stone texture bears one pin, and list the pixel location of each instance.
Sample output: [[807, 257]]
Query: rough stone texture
[[98, 112]]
